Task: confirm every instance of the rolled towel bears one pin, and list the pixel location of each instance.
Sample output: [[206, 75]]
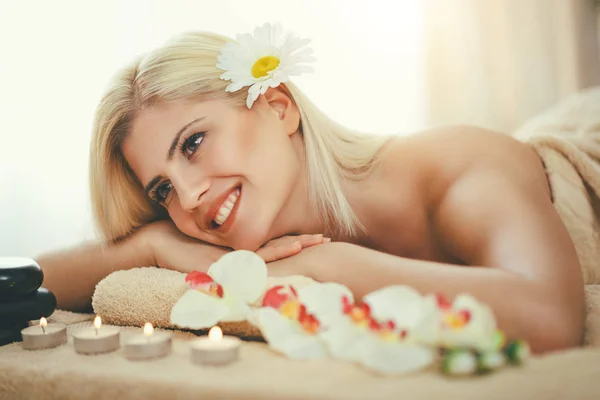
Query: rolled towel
[[139, 295]]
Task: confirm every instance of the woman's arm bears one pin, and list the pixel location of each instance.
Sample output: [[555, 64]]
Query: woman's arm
[[521, 260], [72, 274], [523, 308]]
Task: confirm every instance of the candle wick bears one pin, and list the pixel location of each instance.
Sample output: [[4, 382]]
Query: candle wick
[[96, 329], [43, 329]]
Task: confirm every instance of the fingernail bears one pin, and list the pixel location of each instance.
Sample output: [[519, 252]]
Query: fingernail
[[327, 240], [320, 236]]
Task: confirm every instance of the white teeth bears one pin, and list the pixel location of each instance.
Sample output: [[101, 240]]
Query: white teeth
[[226, 208]]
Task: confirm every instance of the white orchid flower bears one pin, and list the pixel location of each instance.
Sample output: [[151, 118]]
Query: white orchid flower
[[287, 326], [376, 333], [463, 323], [236, 280]]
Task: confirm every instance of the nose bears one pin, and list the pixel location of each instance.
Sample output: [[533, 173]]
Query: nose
[[189, 188]]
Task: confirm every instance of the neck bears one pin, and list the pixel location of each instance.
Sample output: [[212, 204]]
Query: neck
[[300, 217], [297, 216]]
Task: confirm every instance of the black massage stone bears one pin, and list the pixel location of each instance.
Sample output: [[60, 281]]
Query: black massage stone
[[19, 276], [11, 334], [41, 303]]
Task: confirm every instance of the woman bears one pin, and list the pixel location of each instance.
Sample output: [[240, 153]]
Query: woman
[[196, 152]]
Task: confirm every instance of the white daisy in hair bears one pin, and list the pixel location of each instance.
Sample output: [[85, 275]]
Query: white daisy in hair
[[263, 59]]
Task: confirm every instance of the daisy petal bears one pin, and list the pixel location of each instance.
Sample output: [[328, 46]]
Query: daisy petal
[[285, 336], [395, 357], [253, 94], [299, 69], [307, 52], [238, 84], [242, 273], [196, 310], [234, 87]]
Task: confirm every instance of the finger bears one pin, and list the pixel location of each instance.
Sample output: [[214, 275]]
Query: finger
[[310, 240], [273, 253]]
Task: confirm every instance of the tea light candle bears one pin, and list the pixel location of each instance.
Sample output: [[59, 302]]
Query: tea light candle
[[44, 335], [148, 345], [216, 349], [96, 340]]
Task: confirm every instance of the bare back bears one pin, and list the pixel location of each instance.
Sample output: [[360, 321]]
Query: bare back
[[418, 203]]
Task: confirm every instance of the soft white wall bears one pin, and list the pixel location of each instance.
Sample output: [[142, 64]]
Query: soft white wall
[[56, 57]]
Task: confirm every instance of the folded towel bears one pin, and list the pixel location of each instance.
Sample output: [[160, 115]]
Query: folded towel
[[592, 325], [136, 296]]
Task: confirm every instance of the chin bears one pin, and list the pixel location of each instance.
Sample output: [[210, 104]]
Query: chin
[[252, 237], [248, 243]]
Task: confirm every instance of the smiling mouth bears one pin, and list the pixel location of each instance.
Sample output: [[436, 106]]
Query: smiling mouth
[[224, 211]]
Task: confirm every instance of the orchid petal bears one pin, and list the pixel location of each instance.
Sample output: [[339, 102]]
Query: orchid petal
[[237, 310], [324, 300], [479, 332], [242, 273], [391, 357], [197, 310], [402, 304], [481, 314], [427, 329], [344, 340], [287, 337]]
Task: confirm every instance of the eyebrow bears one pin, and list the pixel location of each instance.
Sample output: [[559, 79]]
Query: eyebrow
[[170, 154]]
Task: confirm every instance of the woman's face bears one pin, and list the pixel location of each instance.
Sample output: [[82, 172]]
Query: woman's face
[[223, 172]]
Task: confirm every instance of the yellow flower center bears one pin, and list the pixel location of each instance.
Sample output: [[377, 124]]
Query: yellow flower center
[[454, 321], [388, 335], [290, 309], [359, 317], [264, 65]]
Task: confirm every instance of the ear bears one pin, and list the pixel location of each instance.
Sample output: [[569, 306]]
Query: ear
[[279, 101]]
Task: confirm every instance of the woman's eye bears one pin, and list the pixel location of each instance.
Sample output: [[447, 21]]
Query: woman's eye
[[191, 144], [161, 192]]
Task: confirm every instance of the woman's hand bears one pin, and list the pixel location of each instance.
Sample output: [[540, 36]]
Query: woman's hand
[[287, 246], [307, 262], [170, 248]]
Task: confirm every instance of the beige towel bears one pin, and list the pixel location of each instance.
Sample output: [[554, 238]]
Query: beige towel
[[62, 374], [136, 296], [567, 138]]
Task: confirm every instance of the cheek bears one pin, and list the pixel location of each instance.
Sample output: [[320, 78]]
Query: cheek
[[183, 220]]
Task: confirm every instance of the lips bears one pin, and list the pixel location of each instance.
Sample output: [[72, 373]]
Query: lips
[[213, 210]]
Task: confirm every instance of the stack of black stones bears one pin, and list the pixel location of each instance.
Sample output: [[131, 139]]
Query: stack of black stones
[[22, 299]]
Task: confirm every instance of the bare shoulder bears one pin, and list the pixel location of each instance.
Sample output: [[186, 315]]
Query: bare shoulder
[[438, 157]]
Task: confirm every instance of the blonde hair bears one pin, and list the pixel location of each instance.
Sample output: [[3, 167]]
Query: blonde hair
[[185, 68]]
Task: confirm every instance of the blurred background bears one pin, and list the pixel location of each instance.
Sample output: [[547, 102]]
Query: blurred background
[[382, 66]]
